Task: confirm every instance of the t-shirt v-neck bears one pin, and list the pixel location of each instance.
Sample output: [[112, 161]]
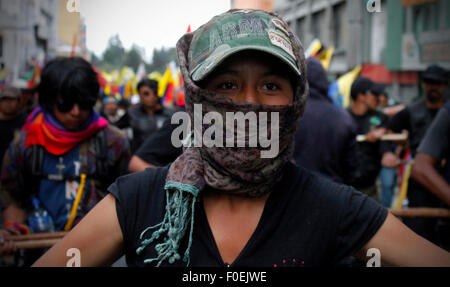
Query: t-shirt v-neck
[[307, 220], [209, 235]]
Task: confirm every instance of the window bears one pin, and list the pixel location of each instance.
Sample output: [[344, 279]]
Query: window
[[301, 23], [426, 17], [340, 28], [318, 24]]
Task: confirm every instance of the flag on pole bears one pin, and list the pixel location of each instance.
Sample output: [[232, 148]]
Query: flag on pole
[[339, 91], [74, 46], [317, 50]]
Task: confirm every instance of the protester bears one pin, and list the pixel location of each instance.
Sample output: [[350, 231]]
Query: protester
[[249, 210], [66, 155], [158, 149], [370, 123], [326, 139], [148, 115], [12, 117], [112, 111], [432, 167], [11, 120], [388, 175], [415, 119]]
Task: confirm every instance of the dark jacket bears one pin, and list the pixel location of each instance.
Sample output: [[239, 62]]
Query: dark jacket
[[326, 140]]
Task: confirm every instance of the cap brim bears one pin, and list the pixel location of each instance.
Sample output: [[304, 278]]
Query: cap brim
[[434, 78], [196, 76]]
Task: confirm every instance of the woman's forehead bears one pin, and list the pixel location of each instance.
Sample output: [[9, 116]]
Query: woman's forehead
[[262, 62]]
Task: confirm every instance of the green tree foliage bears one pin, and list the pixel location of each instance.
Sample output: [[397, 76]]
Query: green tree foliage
[[161, 57], [116, 56], [133, 57]]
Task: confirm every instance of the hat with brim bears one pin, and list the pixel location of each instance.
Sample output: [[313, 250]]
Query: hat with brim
[[236, 31], [436, 74]]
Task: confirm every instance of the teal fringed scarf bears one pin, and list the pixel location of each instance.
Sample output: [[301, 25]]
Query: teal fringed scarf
[[180, 211]]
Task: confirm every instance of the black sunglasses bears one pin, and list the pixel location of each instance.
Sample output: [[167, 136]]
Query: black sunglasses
[[66, 105]]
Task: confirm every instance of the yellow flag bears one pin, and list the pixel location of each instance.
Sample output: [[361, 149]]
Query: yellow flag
[[164, 82], [107, 89], [155, 76], [345, 84]]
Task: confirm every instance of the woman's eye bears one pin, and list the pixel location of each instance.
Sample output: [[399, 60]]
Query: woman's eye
[[226, 86], [270, 87]]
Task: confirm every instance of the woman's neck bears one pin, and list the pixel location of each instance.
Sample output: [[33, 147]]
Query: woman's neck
[[232, 202]]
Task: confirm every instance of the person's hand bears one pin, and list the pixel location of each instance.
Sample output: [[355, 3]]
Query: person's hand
[[7, 247], [375, 135], [390, 159]]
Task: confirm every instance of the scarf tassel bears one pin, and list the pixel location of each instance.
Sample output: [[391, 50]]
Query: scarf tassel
[[180, 208]]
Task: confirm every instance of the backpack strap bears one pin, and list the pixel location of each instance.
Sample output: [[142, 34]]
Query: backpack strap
[[101, 154], [37, 160]]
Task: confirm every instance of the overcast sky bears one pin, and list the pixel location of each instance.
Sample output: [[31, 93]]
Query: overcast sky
[[147, 23]]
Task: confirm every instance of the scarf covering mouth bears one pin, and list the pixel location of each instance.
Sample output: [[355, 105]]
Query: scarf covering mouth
[[235, 170], [43, 129]]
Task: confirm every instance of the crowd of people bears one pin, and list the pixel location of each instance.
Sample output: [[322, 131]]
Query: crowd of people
[[107, 171]]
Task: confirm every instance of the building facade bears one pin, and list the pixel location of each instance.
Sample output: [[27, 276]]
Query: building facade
[[393, 41], [71, 32], [27, 34], [34, 30]]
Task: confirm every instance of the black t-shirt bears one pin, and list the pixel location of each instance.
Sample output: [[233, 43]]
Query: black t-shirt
[[308, 220], [436, 142], [416, 118], [369, 154], [158, 149], [143, 124]]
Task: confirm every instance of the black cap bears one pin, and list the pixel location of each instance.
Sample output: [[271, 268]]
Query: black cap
[[361, 86], [378, 89], [436, 74]]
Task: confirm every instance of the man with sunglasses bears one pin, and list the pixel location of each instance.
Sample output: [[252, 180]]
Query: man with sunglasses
[[67, 154]]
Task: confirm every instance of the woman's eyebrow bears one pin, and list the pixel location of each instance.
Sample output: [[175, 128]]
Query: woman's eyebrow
[[225, 71], [276, 72]]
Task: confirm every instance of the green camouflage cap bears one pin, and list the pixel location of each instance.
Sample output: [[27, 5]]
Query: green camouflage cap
[[235, 31]]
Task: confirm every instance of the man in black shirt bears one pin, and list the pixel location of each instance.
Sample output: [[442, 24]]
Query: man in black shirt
[[432, 167], [370, 123], [415, 119], [157, 150], [148, 116]]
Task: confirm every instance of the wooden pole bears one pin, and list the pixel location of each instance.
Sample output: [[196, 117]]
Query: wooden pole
[[38, 240], [422, 212], [35, 244], [387, 137]]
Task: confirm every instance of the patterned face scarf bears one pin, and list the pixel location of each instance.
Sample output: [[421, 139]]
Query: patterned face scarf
[[43, 129], [232, 170]]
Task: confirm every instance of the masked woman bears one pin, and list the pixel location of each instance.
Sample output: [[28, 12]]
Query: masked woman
[[236, 205]]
